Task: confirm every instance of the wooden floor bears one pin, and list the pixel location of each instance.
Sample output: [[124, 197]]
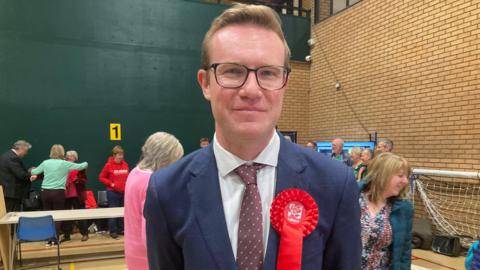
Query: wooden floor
[[424, 259], [113, 264], [101, 252]]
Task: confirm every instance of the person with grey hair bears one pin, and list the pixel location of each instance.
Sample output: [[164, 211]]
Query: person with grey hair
[[75, 197], [338, 154], [366, 158], [160, 150], [14, 177], [384, 145]]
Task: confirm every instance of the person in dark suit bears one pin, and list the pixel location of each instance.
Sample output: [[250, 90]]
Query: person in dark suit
[[14, 177], [211, 210]]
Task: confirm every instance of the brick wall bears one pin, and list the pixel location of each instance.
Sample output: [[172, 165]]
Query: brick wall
[[411, 70], [295, 105]]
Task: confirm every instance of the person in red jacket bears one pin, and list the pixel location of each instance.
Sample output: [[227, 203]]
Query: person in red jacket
[[75, 198], [114, 176]]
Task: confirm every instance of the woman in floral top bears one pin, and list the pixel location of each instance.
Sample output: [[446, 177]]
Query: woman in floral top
[[386, 216]]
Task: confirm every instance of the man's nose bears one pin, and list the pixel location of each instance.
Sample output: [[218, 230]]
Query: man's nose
[[250, 88]]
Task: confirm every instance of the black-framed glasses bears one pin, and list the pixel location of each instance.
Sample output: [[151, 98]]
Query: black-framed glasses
[[233, 75]]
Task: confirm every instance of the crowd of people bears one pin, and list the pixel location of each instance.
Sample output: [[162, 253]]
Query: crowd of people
[[63, 180], [357, 157], [386, 213], [386, 216]]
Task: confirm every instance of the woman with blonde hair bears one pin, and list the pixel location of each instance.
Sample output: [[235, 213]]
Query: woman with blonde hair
[[386, 214], [160, 150], [55, 171]]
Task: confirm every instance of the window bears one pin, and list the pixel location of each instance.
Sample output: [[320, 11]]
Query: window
[[327, 8], [338, 5]]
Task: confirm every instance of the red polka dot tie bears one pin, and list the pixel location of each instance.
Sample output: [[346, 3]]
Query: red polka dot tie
[[250, 228]]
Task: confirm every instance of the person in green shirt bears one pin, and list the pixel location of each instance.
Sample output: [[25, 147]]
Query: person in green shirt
[[366, 156], [339, 154], [55, 171]]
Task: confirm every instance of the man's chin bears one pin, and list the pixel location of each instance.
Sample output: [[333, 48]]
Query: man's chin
[[253, 130]]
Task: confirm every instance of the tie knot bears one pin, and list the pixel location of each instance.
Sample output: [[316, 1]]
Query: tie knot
[[248, 173]]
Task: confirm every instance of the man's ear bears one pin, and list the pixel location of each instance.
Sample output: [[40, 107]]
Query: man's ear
[[203, 81]]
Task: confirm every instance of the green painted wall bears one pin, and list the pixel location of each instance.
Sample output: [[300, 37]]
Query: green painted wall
[[69, 68]]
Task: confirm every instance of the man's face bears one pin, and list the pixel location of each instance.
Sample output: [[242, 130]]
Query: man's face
[[366, 156], [337, 147], [204, 144], [248, 112], [22, 152], [311, 146], [382, 148]]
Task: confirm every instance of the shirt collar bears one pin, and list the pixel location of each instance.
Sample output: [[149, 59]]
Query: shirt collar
[[227, 162]]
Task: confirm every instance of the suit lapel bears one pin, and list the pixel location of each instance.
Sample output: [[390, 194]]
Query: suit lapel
[[289, 175], [207, 203]]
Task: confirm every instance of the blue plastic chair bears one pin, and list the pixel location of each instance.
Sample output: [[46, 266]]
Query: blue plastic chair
[[36, 229]]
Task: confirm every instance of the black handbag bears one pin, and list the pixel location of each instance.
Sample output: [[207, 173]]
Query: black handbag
[[447, 245], [422, 233], [33, 202]]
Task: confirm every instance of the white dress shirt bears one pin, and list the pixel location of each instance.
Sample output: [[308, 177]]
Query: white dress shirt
[[232, 187]]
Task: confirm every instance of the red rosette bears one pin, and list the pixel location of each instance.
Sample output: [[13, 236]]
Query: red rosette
[[296, 207], [294, 215]]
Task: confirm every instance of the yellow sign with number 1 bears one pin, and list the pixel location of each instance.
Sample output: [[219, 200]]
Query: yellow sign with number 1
[[115, 132]]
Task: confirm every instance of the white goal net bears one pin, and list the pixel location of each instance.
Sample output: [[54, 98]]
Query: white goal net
[[450, 199]]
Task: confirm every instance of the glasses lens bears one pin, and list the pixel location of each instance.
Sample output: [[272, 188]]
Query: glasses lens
[[231, 75], [271, 78]]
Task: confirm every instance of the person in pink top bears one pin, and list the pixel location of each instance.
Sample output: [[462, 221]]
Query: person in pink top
[[160, 150]]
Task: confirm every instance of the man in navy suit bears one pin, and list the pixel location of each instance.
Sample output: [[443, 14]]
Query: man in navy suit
[[211, 210]]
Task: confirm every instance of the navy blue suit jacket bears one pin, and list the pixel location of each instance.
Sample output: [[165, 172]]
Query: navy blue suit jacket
[[186, 226]]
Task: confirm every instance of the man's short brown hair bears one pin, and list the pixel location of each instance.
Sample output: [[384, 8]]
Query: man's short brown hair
[[241, 14]]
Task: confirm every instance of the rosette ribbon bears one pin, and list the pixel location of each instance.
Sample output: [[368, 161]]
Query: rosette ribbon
[[294, 215]]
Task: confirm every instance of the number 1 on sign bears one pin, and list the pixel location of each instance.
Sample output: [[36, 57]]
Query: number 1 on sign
[[115, 132]]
